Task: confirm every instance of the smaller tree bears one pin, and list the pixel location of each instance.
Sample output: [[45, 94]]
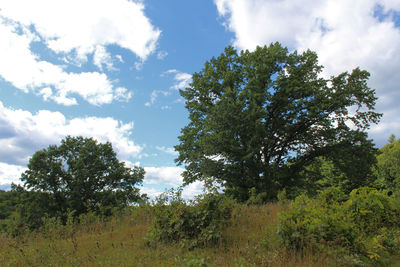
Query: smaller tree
[[388, 165], [77, 176]]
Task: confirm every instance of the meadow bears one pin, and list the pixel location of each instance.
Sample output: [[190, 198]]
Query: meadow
[[250, 240]]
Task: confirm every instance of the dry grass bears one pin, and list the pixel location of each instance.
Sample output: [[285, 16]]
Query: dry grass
[[251, 240]]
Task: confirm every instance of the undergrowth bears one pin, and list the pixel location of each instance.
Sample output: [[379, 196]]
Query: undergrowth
[[332, 230], [363, 225]]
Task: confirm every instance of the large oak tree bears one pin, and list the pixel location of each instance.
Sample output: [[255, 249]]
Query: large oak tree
[[256, 118]]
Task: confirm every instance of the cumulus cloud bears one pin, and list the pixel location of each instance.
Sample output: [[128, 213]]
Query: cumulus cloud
[[9, 173], [73, 30], [164, 175], [345, 34], [170, 177], [22, 133], [193, 189], [80, 26], [24, 70]]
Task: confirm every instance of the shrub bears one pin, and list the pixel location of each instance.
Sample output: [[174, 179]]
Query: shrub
[[311, 222], [191, 224], [364, 223], [372, 209]]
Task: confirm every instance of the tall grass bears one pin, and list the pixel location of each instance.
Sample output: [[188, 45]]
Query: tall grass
[[250, 240]]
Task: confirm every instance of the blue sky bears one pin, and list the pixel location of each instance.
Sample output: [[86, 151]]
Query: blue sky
[[112, 69]]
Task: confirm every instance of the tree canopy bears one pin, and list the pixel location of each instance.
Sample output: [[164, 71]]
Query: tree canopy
[[76, 176], [257, 118], [388, 165]]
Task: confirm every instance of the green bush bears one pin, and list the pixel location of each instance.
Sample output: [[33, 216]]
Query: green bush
[[315, 222], [365, 222], [192, 224], [372, 210]]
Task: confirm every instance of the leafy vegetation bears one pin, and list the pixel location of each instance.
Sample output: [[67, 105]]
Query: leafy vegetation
[[388, 166], [364, 223], [258, 118], [197, 223]]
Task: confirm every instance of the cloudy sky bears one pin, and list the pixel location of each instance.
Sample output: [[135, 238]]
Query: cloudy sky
[[112, 69]]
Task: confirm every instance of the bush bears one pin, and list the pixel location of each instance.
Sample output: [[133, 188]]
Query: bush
[[372, 210], [310, 222], [364, 223], [192, 224]]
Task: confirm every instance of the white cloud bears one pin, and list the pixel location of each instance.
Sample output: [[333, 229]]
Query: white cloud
[[10, 173], [189, 191], [102, 57], [22, 133], [168, 150], [164, 175], [168, 177], [46, 93], [122, 94], [169, 72], [73, 30], [80, 26], [152, 193], [181, 79], [120, 59], [154, 95], [193, 189], [345, 34], [26, 71]]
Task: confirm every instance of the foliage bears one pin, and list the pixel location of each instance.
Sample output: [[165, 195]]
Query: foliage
[[257, 118], [388, 166], [8, 206], [197, 223], [313, 222], [256, 198], [348, 168], [364, 223], [372, 210], [8, 202], [120, 241], [78, 176]]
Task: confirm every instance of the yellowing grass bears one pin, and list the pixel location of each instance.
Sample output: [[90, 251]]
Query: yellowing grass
[[251, 240]]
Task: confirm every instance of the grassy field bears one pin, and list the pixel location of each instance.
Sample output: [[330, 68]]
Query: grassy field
[[251, 240]]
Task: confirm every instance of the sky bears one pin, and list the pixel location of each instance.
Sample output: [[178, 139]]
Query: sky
[[112, 69]]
